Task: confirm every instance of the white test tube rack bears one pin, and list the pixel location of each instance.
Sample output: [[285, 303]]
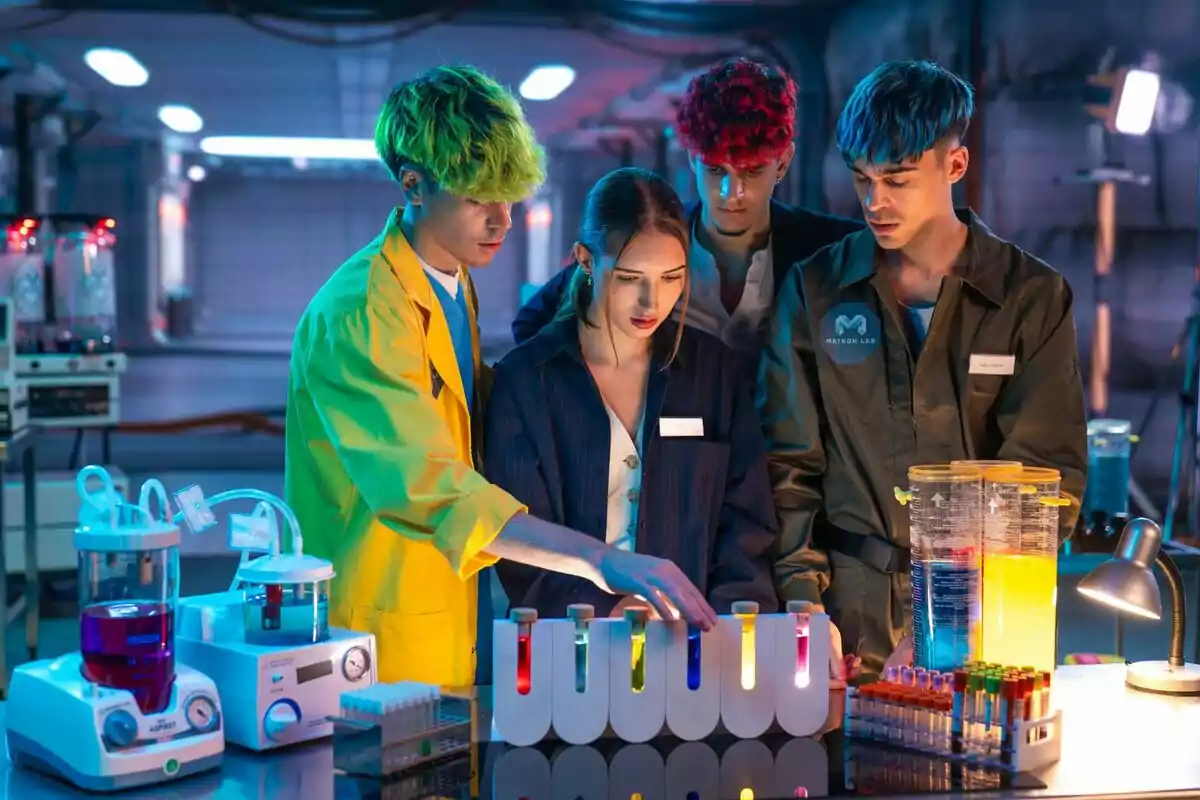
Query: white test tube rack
[[547, 696]]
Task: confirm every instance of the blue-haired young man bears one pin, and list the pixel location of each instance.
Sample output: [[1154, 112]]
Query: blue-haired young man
[[924, 339]]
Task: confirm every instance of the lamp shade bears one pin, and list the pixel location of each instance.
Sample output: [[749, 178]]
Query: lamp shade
[[1125, 582], [1124, 587]]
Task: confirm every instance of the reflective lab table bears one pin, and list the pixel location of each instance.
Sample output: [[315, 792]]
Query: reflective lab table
[[1117, 743]]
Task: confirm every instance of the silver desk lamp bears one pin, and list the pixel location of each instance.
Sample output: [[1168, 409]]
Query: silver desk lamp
[[1126, 584]]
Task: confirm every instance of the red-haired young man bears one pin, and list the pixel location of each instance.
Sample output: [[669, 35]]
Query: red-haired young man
[[737, 121]]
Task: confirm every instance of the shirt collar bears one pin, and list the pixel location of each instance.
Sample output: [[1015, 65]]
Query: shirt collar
[[978, 265]]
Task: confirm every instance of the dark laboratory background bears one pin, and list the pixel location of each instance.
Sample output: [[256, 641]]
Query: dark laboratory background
[[120, 109]]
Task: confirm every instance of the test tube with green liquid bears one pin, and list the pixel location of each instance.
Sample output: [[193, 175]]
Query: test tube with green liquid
[[637, 618], [581, 614]]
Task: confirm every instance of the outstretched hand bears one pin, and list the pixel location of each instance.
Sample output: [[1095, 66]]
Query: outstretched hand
[[659, 582]]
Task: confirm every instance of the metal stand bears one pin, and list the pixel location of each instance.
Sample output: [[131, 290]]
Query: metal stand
[[1106, 178]]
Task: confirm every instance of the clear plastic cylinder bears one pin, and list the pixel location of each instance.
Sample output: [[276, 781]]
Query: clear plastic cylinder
[[286, 614], [1109, 444], [23, 279], [1020, 566], [127, 605], [85, 304], [945, 530]]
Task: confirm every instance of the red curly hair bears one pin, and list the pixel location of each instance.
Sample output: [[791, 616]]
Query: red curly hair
[[740, 112]]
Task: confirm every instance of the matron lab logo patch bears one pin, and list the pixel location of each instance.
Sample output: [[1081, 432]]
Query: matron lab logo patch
[[850, 332]]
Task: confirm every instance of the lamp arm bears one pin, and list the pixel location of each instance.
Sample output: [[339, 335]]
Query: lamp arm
[[1178, 606]]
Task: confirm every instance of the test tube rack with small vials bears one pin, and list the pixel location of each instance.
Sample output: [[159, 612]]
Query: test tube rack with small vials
[[390, 728], [987, 714], [581, 675]]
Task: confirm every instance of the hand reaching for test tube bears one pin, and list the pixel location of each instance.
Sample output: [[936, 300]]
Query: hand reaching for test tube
[[658, 583]]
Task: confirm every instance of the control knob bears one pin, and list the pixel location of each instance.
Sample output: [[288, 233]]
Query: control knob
[[280, 717]]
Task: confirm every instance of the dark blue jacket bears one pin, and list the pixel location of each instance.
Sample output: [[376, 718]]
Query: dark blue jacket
[[795, 235], [705, 502]]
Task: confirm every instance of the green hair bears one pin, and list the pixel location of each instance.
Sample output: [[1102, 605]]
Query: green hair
[[465, 131]]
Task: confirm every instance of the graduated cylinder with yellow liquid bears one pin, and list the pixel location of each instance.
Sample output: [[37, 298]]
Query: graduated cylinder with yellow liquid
[[1020, 565]]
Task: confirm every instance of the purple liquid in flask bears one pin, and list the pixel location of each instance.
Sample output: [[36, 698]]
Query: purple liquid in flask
[[131, 645]]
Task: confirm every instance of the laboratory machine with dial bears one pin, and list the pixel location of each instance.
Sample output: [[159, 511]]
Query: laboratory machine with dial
[[120, 712], [267, 642]]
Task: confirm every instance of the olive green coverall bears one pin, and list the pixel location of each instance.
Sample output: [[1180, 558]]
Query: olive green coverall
[[847, 410]]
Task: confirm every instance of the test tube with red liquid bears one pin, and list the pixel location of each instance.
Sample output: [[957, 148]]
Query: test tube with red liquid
[[524, 619], [801, 609]]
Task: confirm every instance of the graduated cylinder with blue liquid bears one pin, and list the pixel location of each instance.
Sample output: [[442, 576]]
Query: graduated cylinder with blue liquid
[[945, 505], [1109, 445]]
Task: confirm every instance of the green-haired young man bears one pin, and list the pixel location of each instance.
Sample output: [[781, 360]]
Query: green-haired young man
[[386, 388]]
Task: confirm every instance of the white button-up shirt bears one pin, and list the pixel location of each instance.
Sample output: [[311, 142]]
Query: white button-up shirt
[[624, 484]]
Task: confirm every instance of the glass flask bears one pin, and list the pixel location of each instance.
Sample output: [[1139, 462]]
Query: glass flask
[[128, 570], [23, 279], [1020, 566], [945, 530], [286, 600], [85, 304], [1109, 447]]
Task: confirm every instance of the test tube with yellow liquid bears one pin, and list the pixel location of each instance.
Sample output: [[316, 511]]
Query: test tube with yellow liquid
[[1020, 565], [747, 612], [637, 618]]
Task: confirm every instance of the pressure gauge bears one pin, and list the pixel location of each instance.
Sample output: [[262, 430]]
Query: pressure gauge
[[201, 713], [356, 663]]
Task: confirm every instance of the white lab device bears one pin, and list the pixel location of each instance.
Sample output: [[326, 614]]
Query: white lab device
[[580, 706], [274, 696], [523, 694], [747, 692], [268, 646], [119, 713], [637, 688], [801, 694], [693, 702], [60, 723], [751, 672]]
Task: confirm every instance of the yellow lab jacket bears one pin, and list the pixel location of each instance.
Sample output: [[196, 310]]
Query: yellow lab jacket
[[380, 467]]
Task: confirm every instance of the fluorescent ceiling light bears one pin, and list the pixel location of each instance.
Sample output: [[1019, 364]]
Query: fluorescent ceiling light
[[180, 118], [116, 66], [547, 83], [290, 147], [1138, 100]]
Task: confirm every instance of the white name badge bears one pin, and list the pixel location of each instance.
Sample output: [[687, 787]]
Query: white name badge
[[992, 365], [677, 427]]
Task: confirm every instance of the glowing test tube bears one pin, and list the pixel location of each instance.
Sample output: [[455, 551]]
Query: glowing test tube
[[524, 618], [693, 658], [801, 608], [582, 613], [747, 611], [637, 618]]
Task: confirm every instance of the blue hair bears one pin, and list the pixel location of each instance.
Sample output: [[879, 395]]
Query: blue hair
[[901, 110]]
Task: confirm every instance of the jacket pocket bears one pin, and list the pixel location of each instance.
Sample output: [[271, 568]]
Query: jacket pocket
[[429, 648], [693, 475]]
